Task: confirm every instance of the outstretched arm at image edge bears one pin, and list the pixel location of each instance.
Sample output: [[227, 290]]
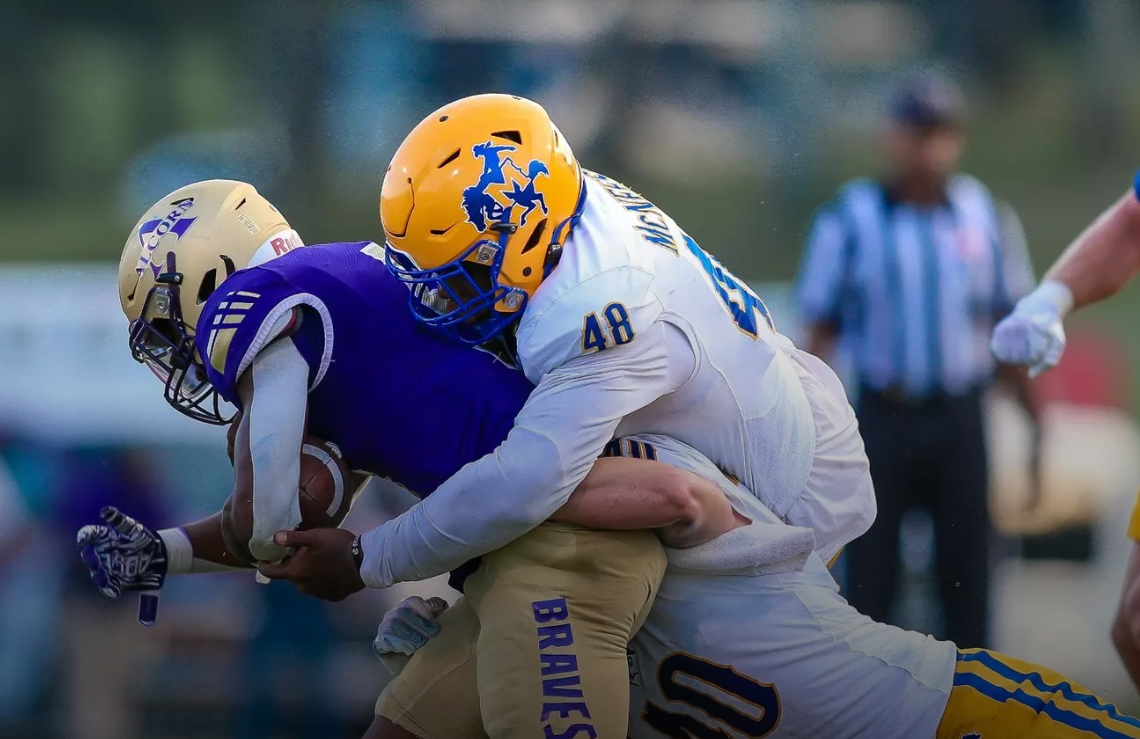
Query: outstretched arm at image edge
[[1104, 258]]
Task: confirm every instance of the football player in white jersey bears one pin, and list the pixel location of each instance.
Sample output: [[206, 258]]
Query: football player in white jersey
[[620, 319], [749, 637]]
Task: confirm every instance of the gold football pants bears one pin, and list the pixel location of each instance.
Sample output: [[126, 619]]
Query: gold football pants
[[538, 645]]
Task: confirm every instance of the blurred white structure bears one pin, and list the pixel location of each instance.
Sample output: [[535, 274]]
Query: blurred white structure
[[1090, 458], [66, 372]]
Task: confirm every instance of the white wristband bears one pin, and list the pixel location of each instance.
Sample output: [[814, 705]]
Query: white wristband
[[1056, 295], [180, 559], [179, 551]]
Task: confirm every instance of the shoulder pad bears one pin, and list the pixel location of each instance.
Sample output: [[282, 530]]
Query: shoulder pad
[[235, 323], [567, 321]]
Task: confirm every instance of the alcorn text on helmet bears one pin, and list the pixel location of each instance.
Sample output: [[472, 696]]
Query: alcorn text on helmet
[[178, 253], [476, 205]]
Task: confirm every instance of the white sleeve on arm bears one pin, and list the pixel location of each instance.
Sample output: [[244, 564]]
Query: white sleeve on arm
[[557, 437], [276, 429]]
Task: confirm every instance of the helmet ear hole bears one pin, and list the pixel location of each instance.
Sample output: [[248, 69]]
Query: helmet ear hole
[[535, 236], [208, 285], [514, 136], [451, 158], [210, 280]]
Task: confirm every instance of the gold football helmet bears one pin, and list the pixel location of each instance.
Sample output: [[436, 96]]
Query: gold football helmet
[[178, 253], [476, 206]]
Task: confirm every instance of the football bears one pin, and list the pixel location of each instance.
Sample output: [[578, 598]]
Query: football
[[323, 492]]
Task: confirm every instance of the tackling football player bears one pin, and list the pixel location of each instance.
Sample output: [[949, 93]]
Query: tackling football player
[[749, 637], [1096, 266], [621, 320]]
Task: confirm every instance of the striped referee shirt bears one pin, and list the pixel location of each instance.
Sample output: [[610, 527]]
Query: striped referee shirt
[[913, 291]]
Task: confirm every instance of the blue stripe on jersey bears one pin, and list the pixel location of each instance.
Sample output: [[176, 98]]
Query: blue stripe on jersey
[[932, 309], [1136, 184], [1003, 301], [893, 279], [854, 311], [630, 448], [1037, 681]]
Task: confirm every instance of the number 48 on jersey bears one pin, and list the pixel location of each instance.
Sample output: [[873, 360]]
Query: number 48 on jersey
[[611, 329]]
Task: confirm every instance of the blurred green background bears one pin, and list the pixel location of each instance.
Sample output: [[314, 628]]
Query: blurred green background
[[737, 117]]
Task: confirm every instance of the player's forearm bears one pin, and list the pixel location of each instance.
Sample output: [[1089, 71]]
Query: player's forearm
[[489, 503], [1104, 258], [199, 547], [631, 494], [710, 516]]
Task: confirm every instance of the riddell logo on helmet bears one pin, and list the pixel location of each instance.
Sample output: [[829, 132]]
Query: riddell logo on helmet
[[501, 187], [152, 231], [281, 246]]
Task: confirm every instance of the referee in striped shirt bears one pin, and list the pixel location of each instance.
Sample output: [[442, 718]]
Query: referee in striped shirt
[[905, 276]]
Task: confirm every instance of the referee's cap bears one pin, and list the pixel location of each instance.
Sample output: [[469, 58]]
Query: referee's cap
[[927, 102]]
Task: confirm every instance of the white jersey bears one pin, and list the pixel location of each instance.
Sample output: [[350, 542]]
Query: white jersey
[[737, 390], [749, 636], [637, 330]]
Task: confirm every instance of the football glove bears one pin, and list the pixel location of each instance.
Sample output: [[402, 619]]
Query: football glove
[[122, 555], [1033, 334], [406, 628]]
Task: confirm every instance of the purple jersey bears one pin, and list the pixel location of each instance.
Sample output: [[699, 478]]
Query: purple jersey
[[397, 401]]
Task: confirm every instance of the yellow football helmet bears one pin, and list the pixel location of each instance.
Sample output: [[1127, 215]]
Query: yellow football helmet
[[178, 253], [476, 205]]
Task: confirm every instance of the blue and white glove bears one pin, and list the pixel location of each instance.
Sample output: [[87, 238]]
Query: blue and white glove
[[1033, 335], [406, 628], [124, 555]]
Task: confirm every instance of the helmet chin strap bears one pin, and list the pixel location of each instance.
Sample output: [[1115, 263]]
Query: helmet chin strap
[[563, 230], [553, 257]]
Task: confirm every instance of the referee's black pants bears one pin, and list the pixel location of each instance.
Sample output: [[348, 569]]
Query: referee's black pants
[[928, 455]]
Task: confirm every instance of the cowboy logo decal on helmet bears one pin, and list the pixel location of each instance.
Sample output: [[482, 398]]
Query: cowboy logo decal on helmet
[[151, 232], [489, 200]]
